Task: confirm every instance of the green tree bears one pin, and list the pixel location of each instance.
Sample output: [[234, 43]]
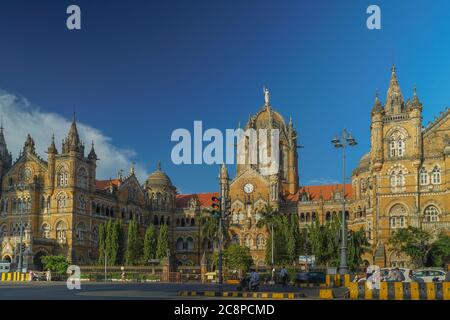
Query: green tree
[[101, 244], [324, 242], [439, 254], [134, 244], [162, 245], [357, 246], [413, 242], [109, 242], [115, 242], [55, 263], [150, 243], [237, 257]]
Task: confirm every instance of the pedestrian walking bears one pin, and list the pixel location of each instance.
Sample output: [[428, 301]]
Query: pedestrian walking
[[49, 275], [284, 276]]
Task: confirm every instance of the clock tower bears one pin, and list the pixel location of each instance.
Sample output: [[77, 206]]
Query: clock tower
[[253, 190]]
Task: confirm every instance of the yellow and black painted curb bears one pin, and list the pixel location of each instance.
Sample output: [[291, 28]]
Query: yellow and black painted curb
[[240, 294], [401, 291], [15, 277], [337, 280]]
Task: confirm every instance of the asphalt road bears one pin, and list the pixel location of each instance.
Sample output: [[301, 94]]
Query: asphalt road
[[125, 291]]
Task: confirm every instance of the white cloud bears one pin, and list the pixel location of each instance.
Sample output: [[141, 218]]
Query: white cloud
[[21, 117]]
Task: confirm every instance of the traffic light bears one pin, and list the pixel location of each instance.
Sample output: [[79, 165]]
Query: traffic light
[[216, 207]]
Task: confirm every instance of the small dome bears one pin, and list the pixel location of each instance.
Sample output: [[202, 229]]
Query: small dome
[[158, 178]]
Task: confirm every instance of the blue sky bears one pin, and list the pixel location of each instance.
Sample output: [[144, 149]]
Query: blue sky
[[140, 69]]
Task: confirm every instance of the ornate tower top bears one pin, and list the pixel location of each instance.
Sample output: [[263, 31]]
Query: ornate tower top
[[72, 141], [5, 156], [29, 145], [394, 99], [92, 155], [52, 148]]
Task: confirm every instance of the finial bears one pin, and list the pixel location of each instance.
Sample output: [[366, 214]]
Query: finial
[[158, 166], [74, 117], [415, 90], [132, 168], [92, 145], [1, 124]]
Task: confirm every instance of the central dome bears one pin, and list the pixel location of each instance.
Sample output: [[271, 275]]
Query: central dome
[[158, 178]]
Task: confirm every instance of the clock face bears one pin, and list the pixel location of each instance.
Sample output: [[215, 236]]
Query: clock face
[[248, 188]]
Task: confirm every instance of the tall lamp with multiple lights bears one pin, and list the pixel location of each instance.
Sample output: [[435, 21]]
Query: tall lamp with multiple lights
[[343, 141]]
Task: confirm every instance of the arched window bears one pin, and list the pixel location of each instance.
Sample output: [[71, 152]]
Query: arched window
[[80, 231], [328, 216], [45, 230], [155, 220], [192, 222], [95, 234], [62, 177], [161, 220], [62, 201], [82, 178], [260, 241], [180, 244], [313, 216], [431, 214], [424, 177], [61, 232], [248, 241], [302, 217], [397, 216], [183, 222], [436, 175], [190, 244], [3, 231], [397, 145], [82, 201], [178, 222]]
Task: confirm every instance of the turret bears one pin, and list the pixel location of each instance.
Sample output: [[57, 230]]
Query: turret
[[5, 156], [376, 128], [52, 152]]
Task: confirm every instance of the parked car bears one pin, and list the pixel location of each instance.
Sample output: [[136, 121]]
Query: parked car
[[429, 275], [315, 277]]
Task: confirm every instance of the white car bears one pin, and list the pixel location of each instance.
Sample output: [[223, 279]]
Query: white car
[[429, 275]]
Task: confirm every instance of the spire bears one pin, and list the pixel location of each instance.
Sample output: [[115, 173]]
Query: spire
[[377, 107], [416, 104], [5, 155], [52, 148], [2, 137], [132, 169], [223, 171], [158, 166], [394, 100], [72, 141], [92, 155]]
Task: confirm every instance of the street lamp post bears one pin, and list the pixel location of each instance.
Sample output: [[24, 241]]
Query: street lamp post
[[342, 141]]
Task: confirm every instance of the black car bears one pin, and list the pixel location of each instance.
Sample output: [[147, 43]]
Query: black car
[[313, 277]]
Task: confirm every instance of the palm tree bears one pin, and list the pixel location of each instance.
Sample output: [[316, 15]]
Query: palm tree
[[269, 219]]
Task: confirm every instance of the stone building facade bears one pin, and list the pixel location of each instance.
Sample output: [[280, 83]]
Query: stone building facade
[[403, 180]]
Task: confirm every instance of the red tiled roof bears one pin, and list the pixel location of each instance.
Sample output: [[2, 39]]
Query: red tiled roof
[[104, 184], [326, 191], [182, 200]]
